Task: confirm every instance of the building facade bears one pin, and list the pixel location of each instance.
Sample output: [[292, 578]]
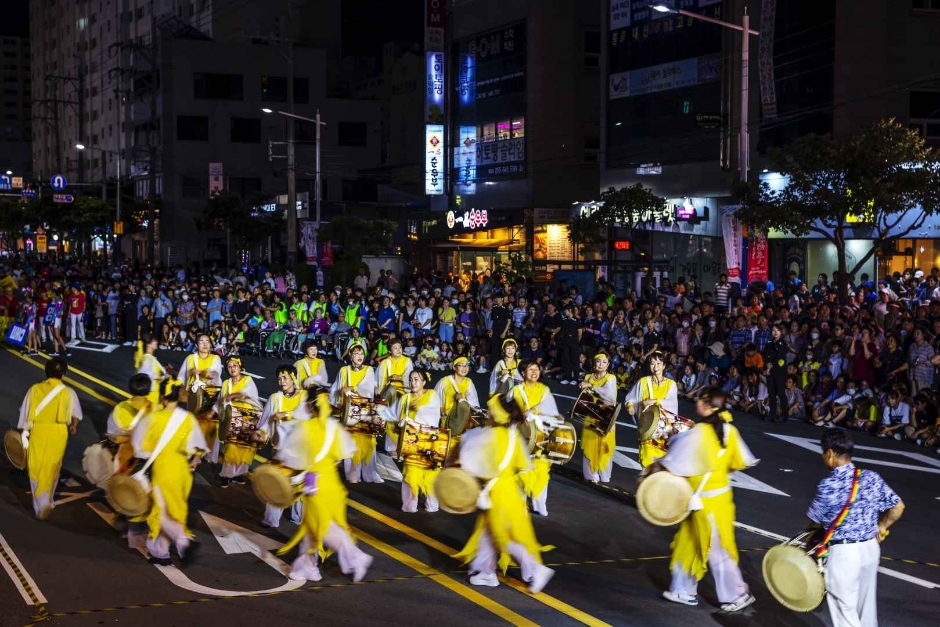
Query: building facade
[[15, 86]]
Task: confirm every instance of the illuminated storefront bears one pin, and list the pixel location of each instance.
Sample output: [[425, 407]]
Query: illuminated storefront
[[473, 240]]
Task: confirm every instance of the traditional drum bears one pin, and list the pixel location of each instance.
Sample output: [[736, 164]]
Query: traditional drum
[[663, 498], [647, 421], [277, 485], [129, 494], [559, 444], [463, 417], [204, 399], [359, 415], [100, 462], [423, 445], [593, 414], [13, 447], [457, 491], [793, 576], [239, 422]]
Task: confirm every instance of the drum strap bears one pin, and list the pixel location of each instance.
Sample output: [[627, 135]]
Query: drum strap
[[48, 398], [176, 421], [823, 549], [137, 418], [483, 501], [327, 442]]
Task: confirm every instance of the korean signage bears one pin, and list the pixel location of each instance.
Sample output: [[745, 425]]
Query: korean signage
[[619, 14], [757, 258], [434, 159], [551, 243], [636, 20], [468, 220], [434, 100], [731, 232], [435, 12], [500, 159], [551, 216], [215, 179], [465, 161], [666, 76]]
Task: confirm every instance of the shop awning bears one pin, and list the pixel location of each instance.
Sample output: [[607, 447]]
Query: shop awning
[[475, 244]]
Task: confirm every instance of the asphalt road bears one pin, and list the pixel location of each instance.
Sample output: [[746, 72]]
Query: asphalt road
[[611, 566]]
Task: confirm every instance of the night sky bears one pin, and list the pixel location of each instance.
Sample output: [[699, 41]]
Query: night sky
[[15, 18], [370, 24]]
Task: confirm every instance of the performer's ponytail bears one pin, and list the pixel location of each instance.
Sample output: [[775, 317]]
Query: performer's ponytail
[[715, 397]]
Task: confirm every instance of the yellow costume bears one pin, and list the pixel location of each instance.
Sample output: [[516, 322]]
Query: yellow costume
[[45, 415], [206, 371], [538, 405], [417, 477], [447, 390], [394, 366], [599, 449], [665, 394], [124, 418], [237, 457], [279, 431], [311, 372], [505, 369], [362, 465], [145, 363]]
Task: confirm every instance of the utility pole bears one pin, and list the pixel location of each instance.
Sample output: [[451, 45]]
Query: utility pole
[[291, 164], [319, 124], [81, 116], [152, 255]]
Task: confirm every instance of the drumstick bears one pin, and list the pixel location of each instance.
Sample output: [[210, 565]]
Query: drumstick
[[253, 376]]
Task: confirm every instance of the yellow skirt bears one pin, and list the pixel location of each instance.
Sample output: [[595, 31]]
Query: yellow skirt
[[236, 454], [598, 449], [327, 506], [692, 543], [535, 481], [650, 451], [210, 429], [365, 447], [172, 476], [420, 479], [47, 442]]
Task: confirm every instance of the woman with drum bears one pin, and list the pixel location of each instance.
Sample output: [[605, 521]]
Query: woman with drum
[[199, 370], [355, 383], [598, 448], [279, 418], [418, 408], [657, 398], [537, 404], [394, 372], [146, 363], [172, 437], [506, 372], [504, 528], [315, 447], [238, 388], [707, 455], [458, 396], [311, 371]]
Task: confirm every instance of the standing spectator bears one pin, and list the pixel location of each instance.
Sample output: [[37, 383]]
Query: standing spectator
[[129, 314], [162, 308], [76, 305], [919, 366], [361, 282], [722, 293], [214, 308], [502, 320], [569, 346], [114, 306], [775, 358], [862, 350]]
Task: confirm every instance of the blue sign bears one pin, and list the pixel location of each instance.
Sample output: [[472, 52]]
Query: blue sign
[[17, 334], [58, 182], [63, 198], [6, 183], [28, 192]]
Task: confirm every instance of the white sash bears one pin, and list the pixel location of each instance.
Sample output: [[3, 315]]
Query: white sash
[[176, 421], [48, 399], [483, 501]]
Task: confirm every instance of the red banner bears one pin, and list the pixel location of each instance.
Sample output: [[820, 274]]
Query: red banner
[[326, 254], [757, 258]]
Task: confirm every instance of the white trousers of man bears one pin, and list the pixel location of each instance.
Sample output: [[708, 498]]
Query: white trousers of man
[[852, 583], [43, 501], [367, 471], [603, 476], [230, 471], [172, 533], [352, 560], [272, 515], [729, 584], [486, 561], [409, 501], [538, 503], [77, 326]]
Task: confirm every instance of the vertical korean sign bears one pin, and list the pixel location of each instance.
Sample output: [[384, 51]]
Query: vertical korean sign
[[731, 232], [434, 22], [215, 179], [757, 258], [434, 159]]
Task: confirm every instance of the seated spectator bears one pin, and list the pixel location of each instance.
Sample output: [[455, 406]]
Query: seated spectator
[[895, 416], [796, 406]]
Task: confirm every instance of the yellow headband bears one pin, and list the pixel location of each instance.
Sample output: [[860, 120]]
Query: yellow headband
[[604, 355], [237, 360], [461, 361], [497, 413], [168, 385], [510, 341]]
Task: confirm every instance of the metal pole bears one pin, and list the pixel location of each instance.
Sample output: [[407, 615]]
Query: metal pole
[[745, 147], [117, 242], [291, 169], [318, 173], [81, 117]]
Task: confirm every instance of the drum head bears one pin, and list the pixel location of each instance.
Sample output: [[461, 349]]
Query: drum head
[[13, 447], [646, 422], [127, 496], [612, 425], [562, 443], [663, 499], [793, 578], [458, 418], [225, 422], [98, 464], [457, 491], [271, 484], [529, 432]]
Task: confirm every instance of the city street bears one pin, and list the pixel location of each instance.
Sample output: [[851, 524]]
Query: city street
[[611, 566]]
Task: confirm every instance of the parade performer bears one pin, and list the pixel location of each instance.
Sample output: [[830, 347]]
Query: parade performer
[[203, 368], [504, 528], [172, 442], [394, 372], [598, 449], [49, 413], [359, 380], [279, 418], [236, 457], [506, 372], [420, 406], [456, 389], [311, 371], [146, 363], [707, 455], [655, 389], [537, 404], [316, 446]]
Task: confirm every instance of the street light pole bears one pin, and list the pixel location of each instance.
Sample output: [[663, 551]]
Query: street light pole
[[116, 251], [291, 167]]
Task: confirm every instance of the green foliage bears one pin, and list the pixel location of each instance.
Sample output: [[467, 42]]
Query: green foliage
[[518, 266], [355, 238], [590, 232], [230, 211]]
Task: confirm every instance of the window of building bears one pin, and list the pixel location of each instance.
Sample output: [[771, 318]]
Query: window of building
[[217, 86], [592, 48], [352, 133], [244, 186], [274, 89], [192, 128], [925, 113], [194, 187], [488, 132], [518, 128], [140, 13], [246, 130], [502, 130]]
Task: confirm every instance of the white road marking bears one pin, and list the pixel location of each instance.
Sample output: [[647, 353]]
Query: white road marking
[[386, 468], [8, 567], [72, 496], [813, 445], [625, 462], [572, 398], [626, 424], [71, 483], [96, 347]]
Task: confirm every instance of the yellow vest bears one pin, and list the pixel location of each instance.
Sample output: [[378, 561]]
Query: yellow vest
[[448, 401], [56, 411]]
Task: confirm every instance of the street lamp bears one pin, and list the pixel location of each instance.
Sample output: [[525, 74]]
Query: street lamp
[[291, 180], [9, 172], [744, 140], [117, 237]]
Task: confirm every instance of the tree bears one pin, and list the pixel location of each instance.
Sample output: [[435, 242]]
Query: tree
[[354, 238], [620, 206], [881, 184], [12, 221], [230, 211]]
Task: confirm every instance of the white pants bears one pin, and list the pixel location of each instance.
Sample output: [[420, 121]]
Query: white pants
[[367, 472], [77, 326], [729, 584], [486, 559], [46, 500], [212, 456], [603, 476], [171, 533], [340, 542], [409, 501], [852, 583], [272, 515], [538, 503], [230, 471]]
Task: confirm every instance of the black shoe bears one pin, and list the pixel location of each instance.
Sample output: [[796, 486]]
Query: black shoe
[[160, 561], [223, 482], [240, 480], [190, 555]]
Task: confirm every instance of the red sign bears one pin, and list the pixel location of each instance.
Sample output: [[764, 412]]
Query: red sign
[[622, 244], [326, 254], [757, 258]]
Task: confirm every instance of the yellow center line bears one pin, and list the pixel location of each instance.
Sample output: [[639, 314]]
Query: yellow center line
[[79, 386], [440, 578], [103, 384], [546, 599]]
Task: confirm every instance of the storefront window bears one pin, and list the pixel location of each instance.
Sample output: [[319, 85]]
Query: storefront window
[[502, 130], [518, 128], [488, 132]]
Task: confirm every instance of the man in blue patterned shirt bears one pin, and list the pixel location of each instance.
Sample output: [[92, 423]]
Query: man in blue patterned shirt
[[854, 551]]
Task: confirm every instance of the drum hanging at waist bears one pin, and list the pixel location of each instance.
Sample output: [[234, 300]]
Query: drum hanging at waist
[[204, 399], [423, 445], [359, 415], [129, 493], [793, 576], [594, 414], [239, 422], [100, 462], [277, 485], [13, 447]]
